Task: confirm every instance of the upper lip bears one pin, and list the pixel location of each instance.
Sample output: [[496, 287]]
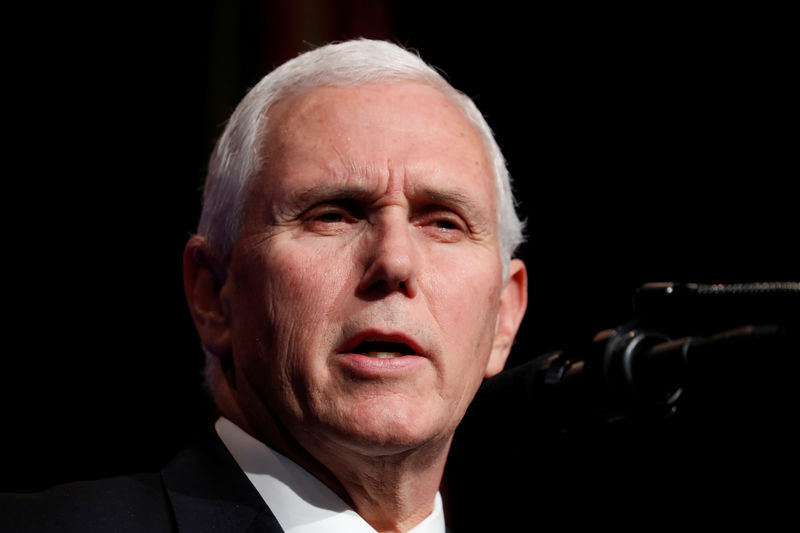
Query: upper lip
[[377, 336]]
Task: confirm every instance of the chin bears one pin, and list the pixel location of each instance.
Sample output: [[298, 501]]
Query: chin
[[393, 428]]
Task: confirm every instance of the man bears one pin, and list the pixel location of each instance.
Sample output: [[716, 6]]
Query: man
[[352, 283]]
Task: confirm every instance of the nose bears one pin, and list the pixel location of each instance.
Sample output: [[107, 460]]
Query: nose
[[391, 258]]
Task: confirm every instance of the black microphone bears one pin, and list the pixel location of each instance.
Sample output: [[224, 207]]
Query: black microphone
[[712, 342], [638, 371], [696, 396], [707, 351]]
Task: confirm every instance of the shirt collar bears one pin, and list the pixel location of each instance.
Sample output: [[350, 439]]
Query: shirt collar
[[300, 502]]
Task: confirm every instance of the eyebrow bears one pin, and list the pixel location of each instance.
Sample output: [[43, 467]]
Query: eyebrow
[[325, 192], [451, 198]]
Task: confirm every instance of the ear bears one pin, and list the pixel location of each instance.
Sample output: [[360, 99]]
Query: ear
[[513, 302], [203, 278]]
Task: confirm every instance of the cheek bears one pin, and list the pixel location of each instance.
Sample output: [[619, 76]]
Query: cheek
[[304, 291], [290, 307], [466, 311], [309, 282]]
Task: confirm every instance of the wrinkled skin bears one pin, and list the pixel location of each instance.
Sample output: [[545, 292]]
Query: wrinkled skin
[[375, 219]]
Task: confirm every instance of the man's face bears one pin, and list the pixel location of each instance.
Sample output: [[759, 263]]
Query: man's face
[[363, 290]]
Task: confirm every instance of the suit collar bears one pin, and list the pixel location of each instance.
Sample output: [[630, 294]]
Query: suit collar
[[209, 492]]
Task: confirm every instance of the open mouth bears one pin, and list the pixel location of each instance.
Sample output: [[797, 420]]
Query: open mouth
[[383, 349]]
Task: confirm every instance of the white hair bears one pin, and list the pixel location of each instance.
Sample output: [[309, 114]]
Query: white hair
[[237, 158]]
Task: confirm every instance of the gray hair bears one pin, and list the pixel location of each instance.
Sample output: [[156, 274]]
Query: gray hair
[[237, 158]]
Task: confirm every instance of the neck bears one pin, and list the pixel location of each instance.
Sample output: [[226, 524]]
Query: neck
[[392, 492]]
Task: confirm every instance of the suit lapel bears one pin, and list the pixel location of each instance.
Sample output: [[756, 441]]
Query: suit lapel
[[209, 492]]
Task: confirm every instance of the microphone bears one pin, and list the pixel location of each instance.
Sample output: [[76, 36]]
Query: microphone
[[696, 396], [712, 342], [641, 371]]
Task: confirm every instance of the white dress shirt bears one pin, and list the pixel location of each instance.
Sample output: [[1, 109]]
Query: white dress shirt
[[301, 502]]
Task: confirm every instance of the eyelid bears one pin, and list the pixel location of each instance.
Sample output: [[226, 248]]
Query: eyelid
[[440, 213], [348, 208]]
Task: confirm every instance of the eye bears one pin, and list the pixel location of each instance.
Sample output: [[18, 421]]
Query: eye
[[330, 218], [443, 225]]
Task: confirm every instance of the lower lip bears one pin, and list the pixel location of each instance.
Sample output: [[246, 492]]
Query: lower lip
[[374, 367]]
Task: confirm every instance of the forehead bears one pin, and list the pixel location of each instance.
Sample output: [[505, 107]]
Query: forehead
[[378, 105], [405, 128]]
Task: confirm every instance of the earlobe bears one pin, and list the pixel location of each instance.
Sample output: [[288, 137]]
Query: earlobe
[[513, 303], [203, 280]]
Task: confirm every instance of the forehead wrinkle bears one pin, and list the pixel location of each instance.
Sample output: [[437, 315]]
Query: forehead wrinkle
[[350, 172], [343, 176], [306, 197]]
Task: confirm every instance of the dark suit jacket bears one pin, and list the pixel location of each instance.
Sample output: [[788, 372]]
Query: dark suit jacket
[[201, 489]]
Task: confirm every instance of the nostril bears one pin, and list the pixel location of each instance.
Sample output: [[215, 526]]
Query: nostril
[[382, 285], [378, 285]]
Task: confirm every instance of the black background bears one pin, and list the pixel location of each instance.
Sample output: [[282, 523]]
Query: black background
[[646, 144]]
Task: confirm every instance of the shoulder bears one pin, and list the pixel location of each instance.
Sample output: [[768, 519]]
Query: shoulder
[[201, 489], [132, 503]]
